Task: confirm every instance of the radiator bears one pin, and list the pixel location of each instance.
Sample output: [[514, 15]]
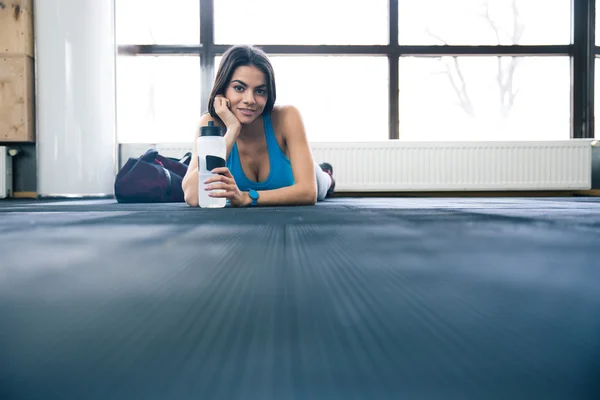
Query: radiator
[[441, 166], [6, 176]]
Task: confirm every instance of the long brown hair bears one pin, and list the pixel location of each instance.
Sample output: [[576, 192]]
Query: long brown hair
[[238, 56]]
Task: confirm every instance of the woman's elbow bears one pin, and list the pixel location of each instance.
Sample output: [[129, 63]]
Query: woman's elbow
[[310, 196], [190, 195], [189, 185], [190, 198]]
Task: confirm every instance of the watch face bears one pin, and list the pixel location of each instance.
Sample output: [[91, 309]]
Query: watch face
[[253, 194]]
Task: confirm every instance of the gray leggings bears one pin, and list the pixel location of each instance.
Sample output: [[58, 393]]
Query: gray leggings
[[323, 182]]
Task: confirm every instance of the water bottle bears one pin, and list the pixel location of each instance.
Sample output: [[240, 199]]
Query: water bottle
[[211, 150]]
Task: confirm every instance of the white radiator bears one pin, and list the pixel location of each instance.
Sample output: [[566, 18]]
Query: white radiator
[[441, 166], [6, 176]]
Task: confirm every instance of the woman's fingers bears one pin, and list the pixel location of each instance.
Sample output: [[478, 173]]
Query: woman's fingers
[[227, 195], [222, 102], [220, 178], [222, 170], [223, 180], [221, 190], [219, 185]]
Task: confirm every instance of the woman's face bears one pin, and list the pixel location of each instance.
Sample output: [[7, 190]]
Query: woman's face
[[247, 93]]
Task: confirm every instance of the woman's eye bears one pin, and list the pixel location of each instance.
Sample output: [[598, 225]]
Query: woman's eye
[[238, 88], [260, 92]]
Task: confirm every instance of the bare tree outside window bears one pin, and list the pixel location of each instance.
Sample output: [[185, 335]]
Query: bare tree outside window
[[505, 66]]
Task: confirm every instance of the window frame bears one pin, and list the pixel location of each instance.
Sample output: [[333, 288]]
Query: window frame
[[582, 53]]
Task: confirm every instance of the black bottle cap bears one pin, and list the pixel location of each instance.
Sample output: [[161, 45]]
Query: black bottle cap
[[211, 130]]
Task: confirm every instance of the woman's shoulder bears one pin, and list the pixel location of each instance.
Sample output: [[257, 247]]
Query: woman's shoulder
[[284, 109], [287, 121], [285, 114]]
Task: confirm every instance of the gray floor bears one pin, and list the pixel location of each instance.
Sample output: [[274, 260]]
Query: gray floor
[[351, 299]]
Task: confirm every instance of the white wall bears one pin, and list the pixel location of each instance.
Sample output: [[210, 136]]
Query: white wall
[[76, 96]]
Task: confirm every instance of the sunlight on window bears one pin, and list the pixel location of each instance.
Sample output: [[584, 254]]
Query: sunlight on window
[[596, 97], [484, 22], [345, 98], [339, 98], [597, 25], [158, 98], [485, 98], [301, 22], [157, 21]]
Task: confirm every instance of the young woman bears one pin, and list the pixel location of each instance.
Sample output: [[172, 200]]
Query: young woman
[[269, 161]]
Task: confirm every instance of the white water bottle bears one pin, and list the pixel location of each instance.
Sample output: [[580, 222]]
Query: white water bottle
[[211, 150]]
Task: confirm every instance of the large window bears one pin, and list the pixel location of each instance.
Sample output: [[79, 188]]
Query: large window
[[367, 70]]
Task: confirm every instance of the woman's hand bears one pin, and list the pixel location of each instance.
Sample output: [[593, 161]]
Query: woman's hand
[[227, 183], [222, 109]]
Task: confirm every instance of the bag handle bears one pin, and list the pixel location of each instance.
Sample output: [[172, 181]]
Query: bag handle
[[187, 157]]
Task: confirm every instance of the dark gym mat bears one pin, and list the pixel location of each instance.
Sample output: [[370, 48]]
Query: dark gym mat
[[351, 299]]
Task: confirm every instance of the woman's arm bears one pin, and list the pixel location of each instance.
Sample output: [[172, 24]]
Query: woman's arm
[[304, 190]]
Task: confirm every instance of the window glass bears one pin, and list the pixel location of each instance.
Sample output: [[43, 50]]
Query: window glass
[[311, 22], [597, 22], [596, 97], [158, 98], [158, 22], [485, 98], [484, 22]]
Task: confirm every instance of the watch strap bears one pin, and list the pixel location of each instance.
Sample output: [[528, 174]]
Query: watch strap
[[253, 196]]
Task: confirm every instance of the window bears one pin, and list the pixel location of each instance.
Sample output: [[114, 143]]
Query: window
[[597, 22], [596, 97], [158, 98], [315, 22], [484, 22], [158, 22], [485, 98], [339, 98], [477, 96]]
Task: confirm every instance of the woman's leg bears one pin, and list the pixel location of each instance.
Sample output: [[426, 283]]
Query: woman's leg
[[324, 182]]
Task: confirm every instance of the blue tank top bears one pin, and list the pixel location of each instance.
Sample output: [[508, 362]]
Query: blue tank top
[[280, 171]]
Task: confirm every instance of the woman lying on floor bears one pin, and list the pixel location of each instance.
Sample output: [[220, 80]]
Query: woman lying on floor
[[269, 161]]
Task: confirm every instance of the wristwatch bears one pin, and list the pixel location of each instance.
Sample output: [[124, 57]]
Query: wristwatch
[[253, 196]]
